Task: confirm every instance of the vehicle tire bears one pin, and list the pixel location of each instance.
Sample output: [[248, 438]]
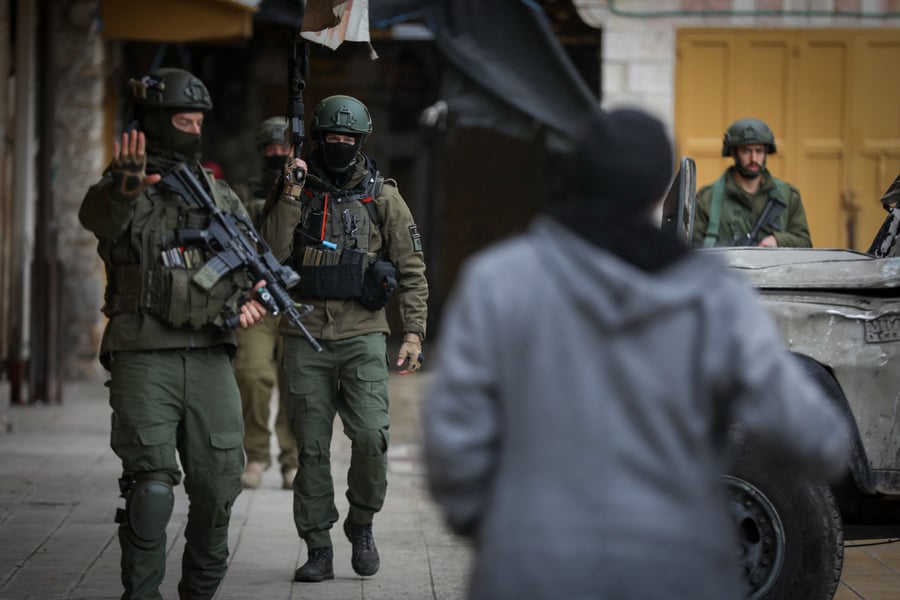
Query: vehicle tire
[[790, 532]]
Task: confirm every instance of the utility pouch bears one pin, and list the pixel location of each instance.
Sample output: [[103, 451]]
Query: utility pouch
[[379, 284], [184, 303], [341, 280]]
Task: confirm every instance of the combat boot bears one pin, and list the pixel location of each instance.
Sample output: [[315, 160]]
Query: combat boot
[[364, 559], [287, 478], [319, 566], [252, 475]]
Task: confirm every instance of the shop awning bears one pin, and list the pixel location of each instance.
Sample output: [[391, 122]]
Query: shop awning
[[177, 20]]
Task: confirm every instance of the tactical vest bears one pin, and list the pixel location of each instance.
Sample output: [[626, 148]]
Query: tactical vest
[[332, 240], [169, 281], [734, 217]]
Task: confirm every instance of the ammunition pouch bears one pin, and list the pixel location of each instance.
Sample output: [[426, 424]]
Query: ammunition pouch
[[379, 285], [342, 278], [185, 303], [123, 289], [173, 294]]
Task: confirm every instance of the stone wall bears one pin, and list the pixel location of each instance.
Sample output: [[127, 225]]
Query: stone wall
[[82, 68]]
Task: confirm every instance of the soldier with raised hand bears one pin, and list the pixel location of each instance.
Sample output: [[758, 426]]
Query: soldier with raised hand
[[352, 238], [171, 389], [747, 205], [260, 349]]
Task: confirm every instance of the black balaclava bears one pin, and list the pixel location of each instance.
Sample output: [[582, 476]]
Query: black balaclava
[[272, 172], [273, 165], [338, 159], [614, 176], [167, 143]]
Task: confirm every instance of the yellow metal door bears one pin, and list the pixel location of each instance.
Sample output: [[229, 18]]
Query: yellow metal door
[[832, 98]]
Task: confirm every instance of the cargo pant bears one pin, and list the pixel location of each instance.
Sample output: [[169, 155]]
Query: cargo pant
[[186, 402], [349, 377], [256, 367]]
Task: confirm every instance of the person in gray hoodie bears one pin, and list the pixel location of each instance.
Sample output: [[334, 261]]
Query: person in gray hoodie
[[589, 372]]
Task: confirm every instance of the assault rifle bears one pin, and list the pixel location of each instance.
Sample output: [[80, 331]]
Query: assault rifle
[[771, 211], [235, 248], [298, 69]]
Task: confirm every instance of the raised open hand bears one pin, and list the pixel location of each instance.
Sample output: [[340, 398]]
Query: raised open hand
[[130, 163]]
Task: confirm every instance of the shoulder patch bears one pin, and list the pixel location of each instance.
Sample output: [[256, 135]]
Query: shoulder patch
[[415, 238]]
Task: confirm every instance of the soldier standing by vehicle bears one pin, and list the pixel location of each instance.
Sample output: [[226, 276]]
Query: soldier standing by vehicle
[[352, 238], [747, 206], [258, 356], [172, 389]]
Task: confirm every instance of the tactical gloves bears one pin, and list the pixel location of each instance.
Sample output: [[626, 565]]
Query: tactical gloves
[[410, 357], [294, 177], [128, 169]]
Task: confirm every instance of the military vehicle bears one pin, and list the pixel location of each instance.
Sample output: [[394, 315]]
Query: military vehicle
[[838, 312]]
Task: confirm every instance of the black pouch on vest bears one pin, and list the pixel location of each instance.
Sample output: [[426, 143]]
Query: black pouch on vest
[[379, 285], [343, 280]]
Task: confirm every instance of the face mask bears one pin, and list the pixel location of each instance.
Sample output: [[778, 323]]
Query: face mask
[[184, 143], [164, 138], [339, 158], [274, 162]]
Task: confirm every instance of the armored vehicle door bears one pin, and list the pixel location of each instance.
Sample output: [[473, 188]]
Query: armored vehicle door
[[678, 207], [885, 242]]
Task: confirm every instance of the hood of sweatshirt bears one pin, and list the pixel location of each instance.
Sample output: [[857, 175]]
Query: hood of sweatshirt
[[610, 291]]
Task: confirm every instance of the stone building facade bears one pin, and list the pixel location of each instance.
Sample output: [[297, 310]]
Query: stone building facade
[[638, 63], [639, 50]]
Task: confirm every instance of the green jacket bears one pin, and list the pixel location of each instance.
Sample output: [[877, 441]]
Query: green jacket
[[342, 318], [740, 211], [132, 232]]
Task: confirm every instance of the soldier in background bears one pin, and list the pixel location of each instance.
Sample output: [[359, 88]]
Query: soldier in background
[[728, 209], [171, 389], [256, 363]]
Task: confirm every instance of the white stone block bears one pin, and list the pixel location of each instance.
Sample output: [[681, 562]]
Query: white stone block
[[651, 77], [645, 44], [614, 77]]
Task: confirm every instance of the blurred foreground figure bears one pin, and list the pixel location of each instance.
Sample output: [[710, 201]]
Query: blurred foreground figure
[[589, 372]]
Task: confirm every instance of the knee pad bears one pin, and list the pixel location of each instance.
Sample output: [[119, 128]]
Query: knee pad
[[148, 507]]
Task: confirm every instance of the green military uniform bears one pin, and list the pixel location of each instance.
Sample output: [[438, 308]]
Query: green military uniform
[[725, 213], [350, 376], [257, 362], [740, 211], [172, 389]]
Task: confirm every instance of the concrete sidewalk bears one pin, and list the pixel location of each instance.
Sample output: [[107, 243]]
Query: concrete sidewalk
[[58, 496]]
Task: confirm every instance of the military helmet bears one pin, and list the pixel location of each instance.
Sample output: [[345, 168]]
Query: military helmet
[[342, 114], [272, 131], [748, 131], [171, 88]]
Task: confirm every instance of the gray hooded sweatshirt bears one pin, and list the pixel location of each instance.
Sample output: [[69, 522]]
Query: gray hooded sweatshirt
[[576, 422]]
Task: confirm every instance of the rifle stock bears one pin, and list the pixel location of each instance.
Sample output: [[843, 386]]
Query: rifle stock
[[235, 248]]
